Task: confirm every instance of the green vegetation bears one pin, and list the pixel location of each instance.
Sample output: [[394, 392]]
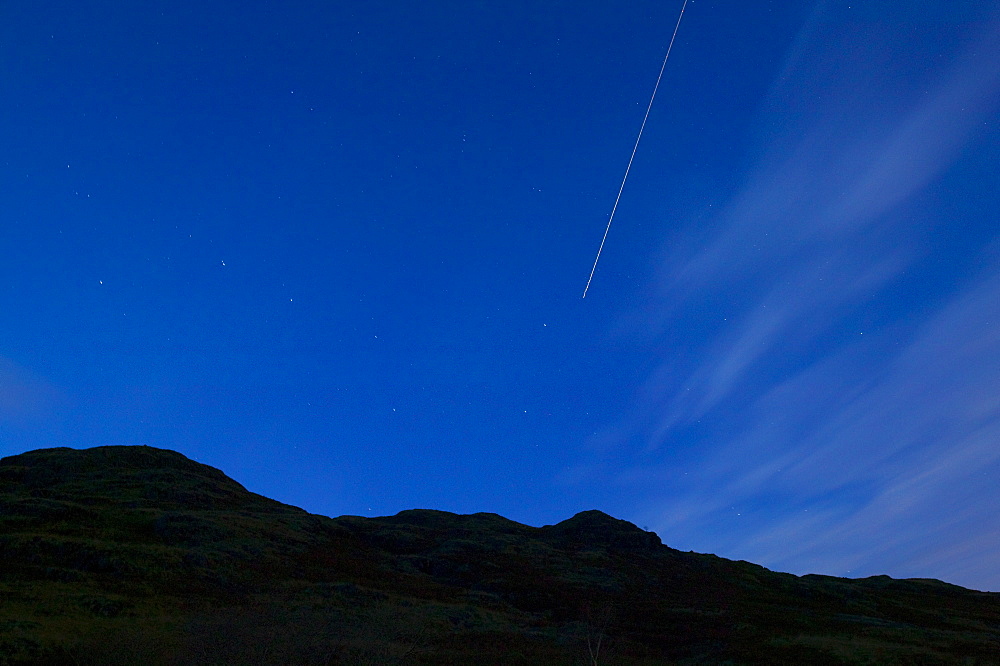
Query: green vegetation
[[129, 555]]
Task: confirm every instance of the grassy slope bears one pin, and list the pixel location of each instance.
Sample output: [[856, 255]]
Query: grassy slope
[[139, 555]]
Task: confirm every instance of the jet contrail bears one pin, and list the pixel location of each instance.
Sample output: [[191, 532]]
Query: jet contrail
[[635, 148]]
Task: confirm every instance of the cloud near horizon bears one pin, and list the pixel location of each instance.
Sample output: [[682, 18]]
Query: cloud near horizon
[[839, 396], [24, 396]]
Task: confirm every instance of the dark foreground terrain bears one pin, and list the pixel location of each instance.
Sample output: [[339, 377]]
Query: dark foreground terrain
[[136, 555]]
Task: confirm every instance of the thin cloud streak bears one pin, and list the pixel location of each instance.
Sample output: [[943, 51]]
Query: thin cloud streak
[[861, 443], [864, 479], [922, 441]]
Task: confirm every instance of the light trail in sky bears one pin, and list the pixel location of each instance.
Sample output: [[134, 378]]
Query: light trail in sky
[[635, 148]]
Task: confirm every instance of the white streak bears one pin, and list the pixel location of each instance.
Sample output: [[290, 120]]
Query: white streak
[[634, 149]]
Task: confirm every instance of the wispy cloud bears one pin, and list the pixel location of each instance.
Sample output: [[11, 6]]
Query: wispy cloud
[[849, 450], [900, 475]]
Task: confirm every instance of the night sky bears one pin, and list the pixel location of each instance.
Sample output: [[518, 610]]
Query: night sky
[[337, 250]]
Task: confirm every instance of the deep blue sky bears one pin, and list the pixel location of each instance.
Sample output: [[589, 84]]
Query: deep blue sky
[[337, 250]]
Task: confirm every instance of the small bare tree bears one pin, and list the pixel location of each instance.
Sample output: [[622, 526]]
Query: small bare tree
[[597, 624]]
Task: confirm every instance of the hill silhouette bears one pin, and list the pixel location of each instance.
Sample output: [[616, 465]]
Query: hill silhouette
[[126, 555]]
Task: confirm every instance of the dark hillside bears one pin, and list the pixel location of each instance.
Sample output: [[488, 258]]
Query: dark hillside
[[139, 555]]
